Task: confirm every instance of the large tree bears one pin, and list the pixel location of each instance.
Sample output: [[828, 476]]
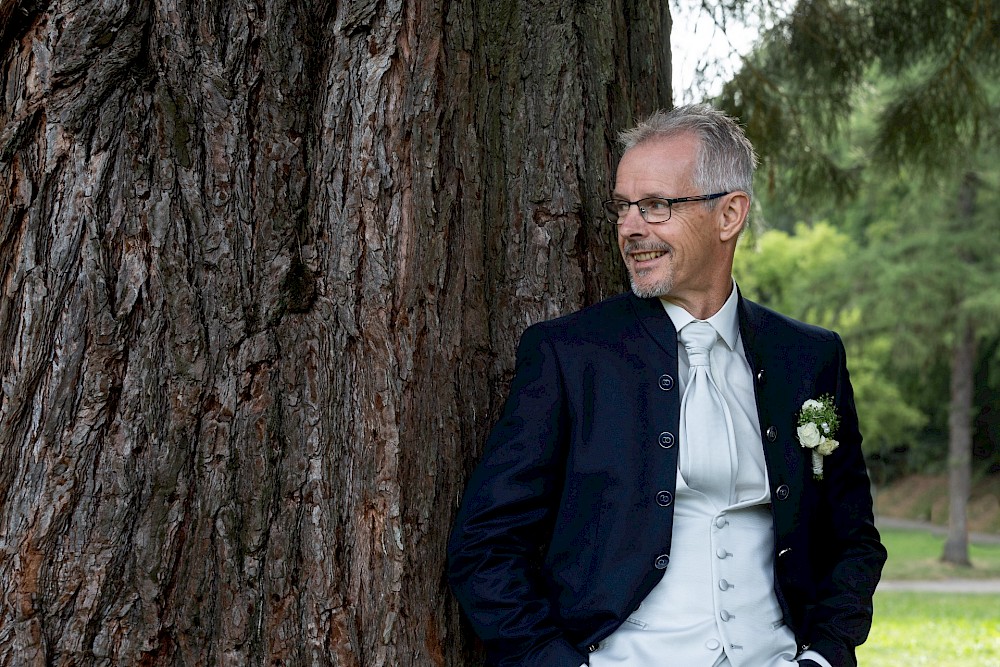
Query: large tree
[[263, 266]]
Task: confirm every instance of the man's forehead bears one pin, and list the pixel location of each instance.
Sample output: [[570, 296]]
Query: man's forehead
[[657, 163]]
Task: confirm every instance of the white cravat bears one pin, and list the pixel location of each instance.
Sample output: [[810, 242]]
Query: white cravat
[[707, 439]]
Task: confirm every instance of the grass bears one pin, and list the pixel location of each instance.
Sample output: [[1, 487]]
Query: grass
[[915, 554], [933, 629], [938, 629]]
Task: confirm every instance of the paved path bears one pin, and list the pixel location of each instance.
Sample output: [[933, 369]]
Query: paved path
[[984, 586]]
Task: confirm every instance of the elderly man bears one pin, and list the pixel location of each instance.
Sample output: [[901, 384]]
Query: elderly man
[[677, 477]]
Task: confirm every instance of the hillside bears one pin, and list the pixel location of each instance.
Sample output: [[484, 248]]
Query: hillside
[[925, 498]]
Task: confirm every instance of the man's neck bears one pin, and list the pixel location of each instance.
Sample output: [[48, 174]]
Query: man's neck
[[703, 304]]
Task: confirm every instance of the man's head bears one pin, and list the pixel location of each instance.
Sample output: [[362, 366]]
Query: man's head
[[683, 250]]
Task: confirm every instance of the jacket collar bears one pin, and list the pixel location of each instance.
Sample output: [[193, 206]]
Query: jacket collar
[[657, 323], [750, 315], [660, 327]]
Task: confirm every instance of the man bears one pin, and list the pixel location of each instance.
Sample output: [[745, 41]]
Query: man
[[645, 500]]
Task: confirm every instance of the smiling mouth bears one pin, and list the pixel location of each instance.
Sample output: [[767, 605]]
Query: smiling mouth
[[647, 256]]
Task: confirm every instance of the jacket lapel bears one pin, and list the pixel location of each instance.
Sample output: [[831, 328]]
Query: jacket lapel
[[749, 316], [656, 322], [772, 387]]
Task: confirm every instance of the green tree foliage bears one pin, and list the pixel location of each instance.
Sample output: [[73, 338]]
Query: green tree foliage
[[799, 88], [788, 272], [926, 271]]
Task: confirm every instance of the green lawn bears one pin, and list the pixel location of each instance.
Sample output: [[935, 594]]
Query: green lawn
[[912, 629], [915, 554], [933, 629]]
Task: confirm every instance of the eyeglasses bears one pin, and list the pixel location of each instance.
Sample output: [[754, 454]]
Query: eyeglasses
[[653, 210]]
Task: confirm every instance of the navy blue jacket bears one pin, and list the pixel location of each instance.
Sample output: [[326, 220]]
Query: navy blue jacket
[[560, 536]]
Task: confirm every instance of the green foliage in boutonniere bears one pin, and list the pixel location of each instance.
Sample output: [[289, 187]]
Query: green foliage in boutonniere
[[818, 423]]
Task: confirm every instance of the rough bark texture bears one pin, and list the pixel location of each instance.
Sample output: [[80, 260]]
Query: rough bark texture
[[263, 268], [961, 410]]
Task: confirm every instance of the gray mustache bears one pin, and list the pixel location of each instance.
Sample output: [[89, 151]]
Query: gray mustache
[[646, 247]]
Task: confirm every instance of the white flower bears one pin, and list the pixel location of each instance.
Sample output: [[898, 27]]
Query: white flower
[[817, 425], [808, 435], [826, 446]]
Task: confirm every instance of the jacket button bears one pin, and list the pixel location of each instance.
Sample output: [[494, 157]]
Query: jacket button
[[772, 433], [661, 562], [760, 377], [781, 493], [664, 498], [666, 440], [593, 647], [666, 382]]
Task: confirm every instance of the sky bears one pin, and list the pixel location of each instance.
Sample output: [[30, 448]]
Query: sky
[[696, 41]]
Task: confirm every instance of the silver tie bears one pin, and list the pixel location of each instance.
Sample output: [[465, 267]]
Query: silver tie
[[707, 440]]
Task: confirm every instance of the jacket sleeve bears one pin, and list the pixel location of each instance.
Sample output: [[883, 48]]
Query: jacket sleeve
[[841, 615], [505, 519]]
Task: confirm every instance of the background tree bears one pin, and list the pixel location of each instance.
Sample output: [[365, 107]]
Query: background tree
[[263, 267], [787, 272], [931, 273]]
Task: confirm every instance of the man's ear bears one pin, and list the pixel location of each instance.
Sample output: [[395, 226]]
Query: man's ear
[[733, 211]]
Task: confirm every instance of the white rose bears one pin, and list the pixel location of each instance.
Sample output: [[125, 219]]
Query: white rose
[[808, 435], [827, 445], [812, 404]]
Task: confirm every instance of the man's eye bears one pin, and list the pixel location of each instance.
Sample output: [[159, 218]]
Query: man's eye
[[622, 206], [656, 205]]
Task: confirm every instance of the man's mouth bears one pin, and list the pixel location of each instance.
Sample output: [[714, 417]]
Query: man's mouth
[[648, 255]]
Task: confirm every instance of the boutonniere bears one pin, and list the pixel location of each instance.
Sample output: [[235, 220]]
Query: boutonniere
[[817, 425]]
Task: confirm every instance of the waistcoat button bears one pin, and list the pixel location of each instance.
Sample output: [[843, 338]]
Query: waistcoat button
[[772, 433], [661, 562], [782, 492], [664, 498], [666, 382], [666, 440]]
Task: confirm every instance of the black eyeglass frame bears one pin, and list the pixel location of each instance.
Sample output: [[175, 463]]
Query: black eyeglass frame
[[670, 201]]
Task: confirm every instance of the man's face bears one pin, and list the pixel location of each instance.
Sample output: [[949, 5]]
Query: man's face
[[679, 258]]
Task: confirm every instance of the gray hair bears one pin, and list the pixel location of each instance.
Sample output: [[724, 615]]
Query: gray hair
[[726, 161]]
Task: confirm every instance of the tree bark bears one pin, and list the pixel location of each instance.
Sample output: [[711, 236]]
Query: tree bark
[[960, 412], [263, 268]]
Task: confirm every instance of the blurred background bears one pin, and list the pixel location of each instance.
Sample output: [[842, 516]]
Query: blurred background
[[878, 215]]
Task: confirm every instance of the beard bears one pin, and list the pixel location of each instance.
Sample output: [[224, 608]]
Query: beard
[[650, 290], [641, 281]]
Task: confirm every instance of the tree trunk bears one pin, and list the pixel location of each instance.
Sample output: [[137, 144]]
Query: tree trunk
[[263, 268], [963, 365], [960, 411]]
